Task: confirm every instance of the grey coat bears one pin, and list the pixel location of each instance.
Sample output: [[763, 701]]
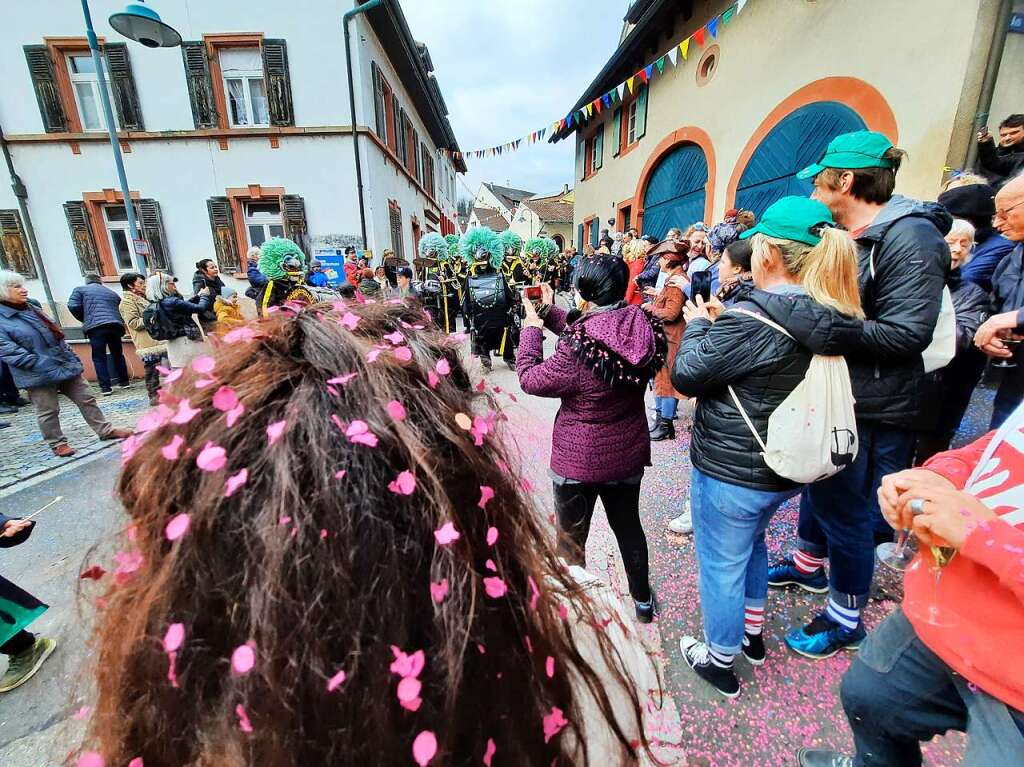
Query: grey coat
[[94, 305], [34, 354]]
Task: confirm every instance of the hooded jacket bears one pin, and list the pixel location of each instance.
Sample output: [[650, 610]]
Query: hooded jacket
[[903, 265], [94, 305], [602, 362], [762, 365], [35, 355]]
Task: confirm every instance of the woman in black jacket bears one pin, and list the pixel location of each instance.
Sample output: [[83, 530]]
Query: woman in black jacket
[[185, 338], [207, 276], [805, 273]]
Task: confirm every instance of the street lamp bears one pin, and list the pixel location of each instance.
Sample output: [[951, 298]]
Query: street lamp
[[142, 24]]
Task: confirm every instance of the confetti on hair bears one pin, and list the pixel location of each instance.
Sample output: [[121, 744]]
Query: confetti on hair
[[212, 458], [432, 379], [177, 527], [136, 762], [446, 534], [534, 592], [175, 637], [443, 367], [285, 520], [225, 399], [495, 587], [359, 433], [128, 563], [373, 354], [82, 713], [234, 414], [185, 412], [204, 365], [489, 752], [243, 659], [423, 748], [554, 723], [350, 321], [335, 681], [396, 410], [403, 484], [342, 380], [403, 354], [235, 481], [153, 419], [275, 430], [396, 338], [482, 386], [90, 759], [492, 536], [408, 693], [172, 449], [239, 335], [340, 474], [439, 590], [204, 383], [130, 447], [243, 719], [549, 667], [486, 494], [170, 376]]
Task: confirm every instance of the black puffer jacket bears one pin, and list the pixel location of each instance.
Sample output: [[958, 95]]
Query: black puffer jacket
[[178, 313], [762, 365], [901, 296]]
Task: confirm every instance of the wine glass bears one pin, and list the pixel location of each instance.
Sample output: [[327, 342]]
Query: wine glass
[[930, 611], [1009, 338], [896, 555]]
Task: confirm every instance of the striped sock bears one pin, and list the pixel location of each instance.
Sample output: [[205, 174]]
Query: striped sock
[[753, 620], [807, 563], [720, 659], [847, 617]]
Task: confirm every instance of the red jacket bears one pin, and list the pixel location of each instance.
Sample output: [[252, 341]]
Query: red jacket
[[633, 294], [352, 273], [984, 583]]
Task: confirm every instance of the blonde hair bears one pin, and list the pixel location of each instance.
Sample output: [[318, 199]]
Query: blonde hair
[[635, 249], [828, 270]]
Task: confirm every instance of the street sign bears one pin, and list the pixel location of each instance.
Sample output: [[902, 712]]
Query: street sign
[[141, 247]]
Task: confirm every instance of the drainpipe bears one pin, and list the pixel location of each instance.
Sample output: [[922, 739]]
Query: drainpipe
[[988, 84], [26, 219], [346, 18]]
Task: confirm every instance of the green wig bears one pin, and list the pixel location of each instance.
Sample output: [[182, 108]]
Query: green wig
[[273, 254], [552, 247], [535, 246], [481, 238], [510, 241], [453, 245], [433, 245]]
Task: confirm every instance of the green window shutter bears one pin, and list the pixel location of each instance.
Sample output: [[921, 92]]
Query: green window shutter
[[222, 225], [279, 83], [378, 102], [616, 131], [44, 82], [599, 147], [81, 236], [581, 153], [295, 228], [14, 251], [122, 85], [200, 84], [152, 224], [641, 113]]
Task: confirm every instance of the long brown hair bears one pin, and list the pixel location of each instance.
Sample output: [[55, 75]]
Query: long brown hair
[[321, 567]]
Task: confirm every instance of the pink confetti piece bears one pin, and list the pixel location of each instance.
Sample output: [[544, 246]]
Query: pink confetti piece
[[275, 430], [205, 383], [372, 355], [225, 399], [128, 563], [340, 474], [446, 534], [323, 533], [243, 719], [177, 527], [284, 520], [396, 410], [410, 664], [489, 752], [359, 433], [235, 481], [486, 494], [212, 458], [82, 713], [403, 484], [489, 564], [409, 689], [243, 659], [136, 762], [439, 590], [185, 412], [90, 759], [423, 748], [495, 587], [482, 386], [443, 367], [403, 354], [534, 592], [173, 375], [432, 379], [350, 321], [342, 380], [335, 681], [563, 612], [130, 447], [492, 536], [175, 637], [172, 449], [396, 338], [154, 419], [554, 723], [549, 667], [203, 365], [234, 414], [239, 335]]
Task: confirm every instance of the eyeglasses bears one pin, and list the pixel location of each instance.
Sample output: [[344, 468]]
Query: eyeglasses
[[1002, 214]]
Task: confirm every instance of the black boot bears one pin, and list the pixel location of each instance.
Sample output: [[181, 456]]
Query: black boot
[[663, 429]]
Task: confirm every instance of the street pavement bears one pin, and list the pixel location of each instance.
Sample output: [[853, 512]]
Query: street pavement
[[788, 703]]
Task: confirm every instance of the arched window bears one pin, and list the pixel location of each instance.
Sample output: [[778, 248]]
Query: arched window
[[675, 192], [559, 241], [797, 141]]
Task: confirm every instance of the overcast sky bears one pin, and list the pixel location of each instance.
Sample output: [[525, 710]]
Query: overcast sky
[[509, 67]]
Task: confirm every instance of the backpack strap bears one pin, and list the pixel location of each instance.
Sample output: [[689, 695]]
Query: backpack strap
[[762, 318], [746, 419]]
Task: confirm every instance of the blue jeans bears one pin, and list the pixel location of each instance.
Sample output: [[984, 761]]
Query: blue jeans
[[666, 406], [1009, 394], [838, 515], [728, 527], [898, 693]]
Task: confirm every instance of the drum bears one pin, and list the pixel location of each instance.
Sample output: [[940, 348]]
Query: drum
[[308, 295]]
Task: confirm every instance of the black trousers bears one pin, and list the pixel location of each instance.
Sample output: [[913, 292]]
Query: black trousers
[[574, 507], [18, 643], [8, 391], [101, 339]]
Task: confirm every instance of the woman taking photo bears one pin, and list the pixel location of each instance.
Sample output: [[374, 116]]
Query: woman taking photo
[[667, 305], [600, 446], [805, 273], [353, 580], [185, 338], [207, 276]]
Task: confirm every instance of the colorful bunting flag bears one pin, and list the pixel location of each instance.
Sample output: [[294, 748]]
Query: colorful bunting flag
[[684, 47], [673, 55], [660, 63], [621, 89], [699, 37], [727, 16], [629, 83], [713, 27]]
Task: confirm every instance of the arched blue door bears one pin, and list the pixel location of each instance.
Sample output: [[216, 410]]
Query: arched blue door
[[796, 142], [675, 192]]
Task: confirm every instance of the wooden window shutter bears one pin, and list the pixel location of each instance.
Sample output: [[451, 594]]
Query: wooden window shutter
[[44, 81], [14, 250], [579, 237], [295, 228], [200, 84], [616, 132], [581, 153], [378, 102], [396, 231], [418, 155], [152, 225], [641, 113], [122, 85], [279, 84], [222, 225], [81, 235], [599, 147]]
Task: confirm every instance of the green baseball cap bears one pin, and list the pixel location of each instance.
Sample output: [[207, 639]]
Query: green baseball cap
[[860, 149], [799, 219]]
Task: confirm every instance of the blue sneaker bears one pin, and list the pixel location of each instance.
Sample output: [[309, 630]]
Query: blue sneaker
[[823, 638], [786, 574]]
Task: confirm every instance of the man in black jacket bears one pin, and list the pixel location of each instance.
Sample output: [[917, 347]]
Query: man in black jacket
[[903, 263], [1006, 160]]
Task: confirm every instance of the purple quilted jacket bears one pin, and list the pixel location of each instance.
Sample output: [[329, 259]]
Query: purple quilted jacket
[[600, 432]]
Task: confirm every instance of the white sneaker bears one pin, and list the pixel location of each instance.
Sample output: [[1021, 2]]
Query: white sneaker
[[683, 523]]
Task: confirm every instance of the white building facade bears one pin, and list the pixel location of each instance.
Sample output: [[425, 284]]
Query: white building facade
[[242, 134]]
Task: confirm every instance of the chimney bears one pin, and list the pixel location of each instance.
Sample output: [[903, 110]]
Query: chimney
[[565, 189]]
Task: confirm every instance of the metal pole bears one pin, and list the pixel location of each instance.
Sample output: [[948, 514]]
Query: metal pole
[[22, 194], [352, 108], [988, 84], [115, 146]]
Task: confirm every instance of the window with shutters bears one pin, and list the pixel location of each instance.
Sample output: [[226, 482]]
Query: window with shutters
[[395, 213], [102, 239], [245, 90], [631, 123], [262, 221], [238, 81], [115, 218], [416, 156], [14, 251], [86, 89], [427, 162], [594, 153]]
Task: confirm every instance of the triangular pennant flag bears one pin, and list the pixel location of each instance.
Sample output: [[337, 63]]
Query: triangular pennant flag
[[727, 16], [740, 5], [597, 105], [648, 72], [684, 47], [542, 132], [673, 55], [590, 110], [568, 121], [713, 27], [606, 100], [699, 37], [629, 83], [622, 89], [641, 75], [660, 63]]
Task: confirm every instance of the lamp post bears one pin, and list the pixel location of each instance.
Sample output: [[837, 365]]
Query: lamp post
[[142, 24]]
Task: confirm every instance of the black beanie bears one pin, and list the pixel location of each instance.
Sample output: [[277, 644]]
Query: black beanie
[[973, 202]]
